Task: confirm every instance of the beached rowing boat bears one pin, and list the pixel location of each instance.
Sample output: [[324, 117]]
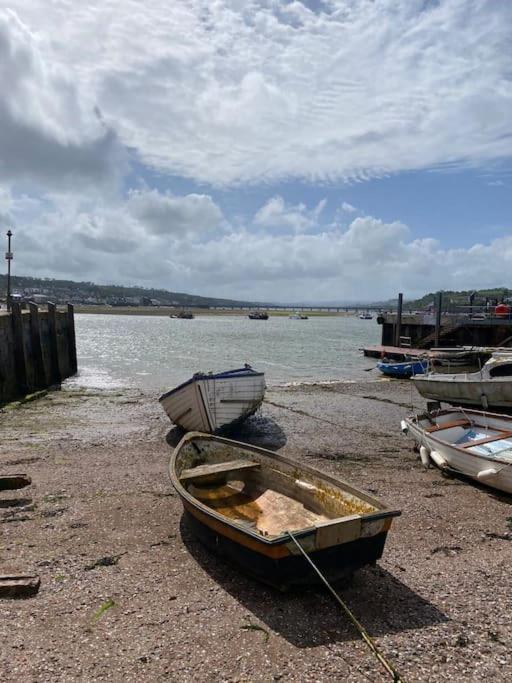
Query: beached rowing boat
[[241, 500], [212, 402], [472, 442], [403, 370]]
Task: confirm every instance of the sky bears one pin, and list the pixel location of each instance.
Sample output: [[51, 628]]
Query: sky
[[314, 150]]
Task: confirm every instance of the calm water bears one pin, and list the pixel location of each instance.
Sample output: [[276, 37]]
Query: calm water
[[158, 352]]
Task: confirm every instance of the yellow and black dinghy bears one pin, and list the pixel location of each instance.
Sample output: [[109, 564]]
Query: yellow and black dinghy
[[242, 501]]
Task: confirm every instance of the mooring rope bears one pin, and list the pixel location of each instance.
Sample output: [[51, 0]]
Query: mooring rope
[[359, 627]]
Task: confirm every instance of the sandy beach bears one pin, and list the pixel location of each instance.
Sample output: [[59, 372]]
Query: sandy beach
[[127, 594]]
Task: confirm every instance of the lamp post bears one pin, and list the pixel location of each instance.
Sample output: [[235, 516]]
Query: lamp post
[[8, 258]]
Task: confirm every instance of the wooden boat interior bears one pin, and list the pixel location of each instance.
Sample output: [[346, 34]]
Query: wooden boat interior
[[478, 433], [264, 494]]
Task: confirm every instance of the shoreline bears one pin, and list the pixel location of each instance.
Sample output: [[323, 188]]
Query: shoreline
[[168, 310], [163, 608]]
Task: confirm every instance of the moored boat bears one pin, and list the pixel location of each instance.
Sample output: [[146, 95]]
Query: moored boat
[[298, 316], [472, 442], [403, 370], [258, 315], [490, 387], [366, 316], [242, 500], [211, 402]]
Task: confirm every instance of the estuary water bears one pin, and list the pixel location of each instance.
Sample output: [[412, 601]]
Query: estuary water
[[157, 352]]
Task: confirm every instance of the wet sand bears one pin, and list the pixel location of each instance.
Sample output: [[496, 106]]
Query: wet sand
[[127, 594]]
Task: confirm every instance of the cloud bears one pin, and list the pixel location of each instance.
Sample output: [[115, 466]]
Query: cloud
[[348, 208], [231, 92], [277, 214], [370, 259], [167, 214], [47, 131]]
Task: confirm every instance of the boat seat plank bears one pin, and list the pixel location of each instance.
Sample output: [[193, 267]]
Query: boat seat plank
[[448, 425], [201, 471], [488, 439]]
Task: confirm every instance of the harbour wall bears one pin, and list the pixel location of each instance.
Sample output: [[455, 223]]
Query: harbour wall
[[37, 349]]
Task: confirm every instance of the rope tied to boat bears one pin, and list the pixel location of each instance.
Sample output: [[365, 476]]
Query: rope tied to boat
[[359, 627]]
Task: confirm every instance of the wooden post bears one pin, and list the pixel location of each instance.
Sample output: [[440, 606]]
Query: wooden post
[[19, 348], [55, 376], [73, 365], [439, 305], [37, 351], [398, 327]]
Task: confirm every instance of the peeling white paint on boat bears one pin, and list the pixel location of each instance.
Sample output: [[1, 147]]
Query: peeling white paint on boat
[[209, 402]]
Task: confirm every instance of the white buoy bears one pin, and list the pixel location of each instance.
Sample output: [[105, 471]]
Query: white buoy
[[484, 475], [404, 426], [439, 459], [424, 457]]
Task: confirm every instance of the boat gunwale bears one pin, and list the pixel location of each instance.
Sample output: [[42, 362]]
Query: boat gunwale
[[384, 511], [226, 374], [412, 420]]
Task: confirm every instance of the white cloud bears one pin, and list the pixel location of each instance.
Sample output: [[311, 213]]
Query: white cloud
[[231, 92], [371, 259], [166, 214], [276, 213], [348, 208], [47, 132]]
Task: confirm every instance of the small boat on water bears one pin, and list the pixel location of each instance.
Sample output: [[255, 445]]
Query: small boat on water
[[298, 316], [490, 387], [210, 402], [403, 370], [183, 315], [472, 442], [258, 315], [241, 501], [366, 316]]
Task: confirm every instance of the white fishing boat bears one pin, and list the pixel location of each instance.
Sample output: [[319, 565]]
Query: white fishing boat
[[210, 402], [472, 442], [489, 387], [366, 316], [298, 316]]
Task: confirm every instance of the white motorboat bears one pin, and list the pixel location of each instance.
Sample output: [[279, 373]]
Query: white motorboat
[[472, 442], [489, 387], [366, 316], [211, 402]]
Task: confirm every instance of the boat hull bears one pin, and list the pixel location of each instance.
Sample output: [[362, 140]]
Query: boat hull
[[213, 404], [246, 521], [291, 571], [403, 370], [461, 391], [463, 461]]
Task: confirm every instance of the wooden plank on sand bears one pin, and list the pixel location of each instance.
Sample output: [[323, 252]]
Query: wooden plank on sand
[[19, 586], [14, 481]]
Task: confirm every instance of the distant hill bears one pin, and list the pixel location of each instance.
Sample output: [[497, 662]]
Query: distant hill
[[89, 293], [481, 296]]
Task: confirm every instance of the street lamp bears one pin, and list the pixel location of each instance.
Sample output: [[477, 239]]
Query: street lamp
[[8, 258]]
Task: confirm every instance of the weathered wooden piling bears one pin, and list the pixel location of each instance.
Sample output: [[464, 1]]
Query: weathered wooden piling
[[37, 349]]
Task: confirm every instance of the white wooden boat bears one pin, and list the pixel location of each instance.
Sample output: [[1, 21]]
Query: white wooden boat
[[475, 443], [490, 387], [211, 402], [242, 500]]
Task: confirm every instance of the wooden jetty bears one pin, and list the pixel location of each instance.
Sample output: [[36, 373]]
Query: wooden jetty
[[459, 326]]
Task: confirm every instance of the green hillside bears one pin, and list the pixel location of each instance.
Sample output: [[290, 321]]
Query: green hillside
[[61, 291]]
